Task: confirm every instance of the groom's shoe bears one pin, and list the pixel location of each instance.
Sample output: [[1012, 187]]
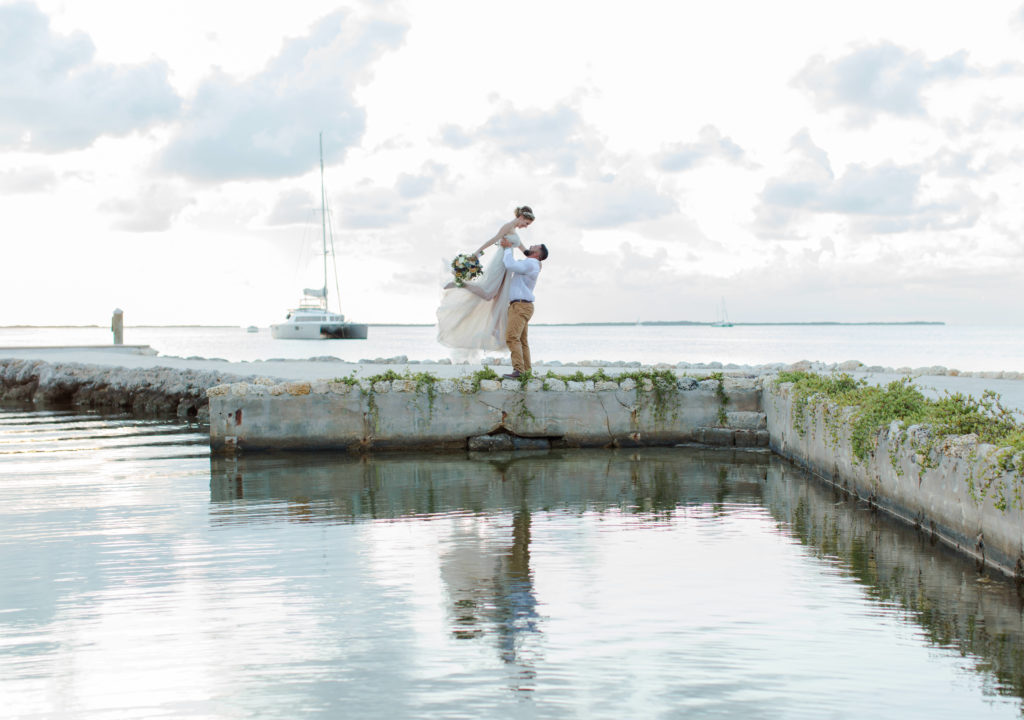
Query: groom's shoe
[[514, 375]]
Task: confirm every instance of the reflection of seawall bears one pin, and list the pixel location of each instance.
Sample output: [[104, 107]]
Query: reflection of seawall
[[939, 590], [312, 486]]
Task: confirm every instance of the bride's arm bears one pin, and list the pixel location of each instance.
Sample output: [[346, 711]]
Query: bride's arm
[[505, 229]]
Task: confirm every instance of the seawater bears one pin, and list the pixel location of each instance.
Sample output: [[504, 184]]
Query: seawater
[[143, 578], [967, 348]]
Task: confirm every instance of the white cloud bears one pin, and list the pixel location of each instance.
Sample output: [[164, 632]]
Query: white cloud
[[266, 126], [614, 200], [414, 186], [293, 207], [884, 198], [555, 140], [881, 78], [373, 207], [152, 210], [54, 96], [711, 145], [27, 180]]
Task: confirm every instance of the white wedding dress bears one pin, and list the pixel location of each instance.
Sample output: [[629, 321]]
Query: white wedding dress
[[474, 317]]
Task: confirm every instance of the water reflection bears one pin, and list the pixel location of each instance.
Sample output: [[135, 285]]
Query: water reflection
[[485, 565], [977, 614], [490, 501], [140, 578]]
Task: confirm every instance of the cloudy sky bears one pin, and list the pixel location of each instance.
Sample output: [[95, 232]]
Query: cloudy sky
[[803, 160]]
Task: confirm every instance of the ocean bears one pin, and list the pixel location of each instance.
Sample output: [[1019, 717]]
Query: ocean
[[965, 348]]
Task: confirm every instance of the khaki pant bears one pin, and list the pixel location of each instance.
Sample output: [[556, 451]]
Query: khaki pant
[[519, 314]]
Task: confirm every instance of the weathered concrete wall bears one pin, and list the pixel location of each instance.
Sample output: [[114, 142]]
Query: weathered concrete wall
[[933, 493], [161, 392], [448, 413]]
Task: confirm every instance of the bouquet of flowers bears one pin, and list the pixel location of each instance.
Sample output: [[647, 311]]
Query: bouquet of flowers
[[466, 267]]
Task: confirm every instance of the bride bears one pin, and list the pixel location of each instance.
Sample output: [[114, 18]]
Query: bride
[[474, 316]]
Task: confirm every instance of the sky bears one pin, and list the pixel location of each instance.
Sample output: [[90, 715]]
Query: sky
[[799, 161]]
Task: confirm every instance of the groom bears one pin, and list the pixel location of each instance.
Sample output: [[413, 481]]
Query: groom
[[520, 306]]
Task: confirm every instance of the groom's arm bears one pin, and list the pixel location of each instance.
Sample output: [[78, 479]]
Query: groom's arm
[[523, 267]]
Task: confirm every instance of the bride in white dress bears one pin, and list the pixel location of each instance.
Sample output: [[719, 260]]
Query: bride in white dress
[[474, 317]]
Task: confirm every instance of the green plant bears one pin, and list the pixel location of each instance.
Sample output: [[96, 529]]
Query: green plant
[[873, 408]]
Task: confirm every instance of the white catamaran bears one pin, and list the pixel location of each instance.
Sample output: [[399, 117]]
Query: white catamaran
[[311, 320]]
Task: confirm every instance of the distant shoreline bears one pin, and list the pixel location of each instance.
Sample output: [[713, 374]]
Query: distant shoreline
[[658, 323]]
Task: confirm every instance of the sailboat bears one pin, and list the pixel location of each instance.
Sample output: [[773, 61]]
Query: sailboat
[[723, 318], [311, 320]]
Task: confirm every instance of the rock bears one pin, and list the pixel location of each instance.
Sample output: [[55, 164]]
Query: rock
[[555, 385], [686, 383], [490, 443], [849, 365], [576, 386], [959, 446], [403, 385], [535, 385], [490, 385], [629, 384], [526, 443], [606, 385], [382, 386], [512, 385], [445, 387], [799, 366]]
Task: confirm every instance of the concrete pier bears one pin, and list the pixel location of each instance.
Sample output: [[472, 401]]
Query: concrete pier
[[488, 414]]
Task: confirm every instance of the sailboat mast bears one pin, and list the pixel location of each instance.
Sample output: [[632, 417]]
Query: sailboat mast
[[323, 215]]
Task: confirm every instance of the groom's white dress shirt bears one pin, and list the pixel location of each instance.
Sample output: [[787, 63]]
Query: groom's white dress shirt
[[524, 276]]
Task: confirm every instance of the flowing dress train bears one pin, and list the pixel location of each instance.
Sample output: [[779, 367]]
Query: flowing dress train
[[474, 317]]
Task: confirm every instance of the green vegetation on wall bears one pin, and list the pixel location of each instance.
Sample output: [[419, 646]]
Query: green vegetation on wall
[[869, 409]]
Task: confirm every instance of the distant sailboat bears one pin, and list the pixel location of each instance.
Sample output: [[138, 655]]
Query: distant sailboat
[[312, 320], [723, 317]]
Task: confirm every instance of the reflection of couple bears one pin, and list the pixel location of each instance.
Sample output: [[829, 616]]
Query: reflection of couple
[[494, 311]]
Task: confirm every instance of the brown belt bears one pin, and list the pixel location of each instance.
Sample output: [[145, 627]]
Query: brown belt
[[525, 301]]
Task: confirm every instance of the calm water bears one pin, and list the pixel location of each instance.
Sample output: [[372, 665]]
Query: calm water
[[961, 347], [142, 579]]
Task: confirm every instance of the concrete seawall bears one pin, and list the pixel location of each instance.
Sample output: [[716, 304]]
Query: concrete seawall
[[932, 484], [487, 414]]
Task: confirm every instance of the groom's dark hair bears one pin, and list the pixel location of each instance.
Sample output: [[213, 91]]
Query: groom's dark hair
[[543, 252]]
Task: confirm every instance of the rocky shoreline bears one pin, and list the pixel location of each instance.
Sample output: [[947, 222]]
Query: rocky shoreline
[[150, 392]]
